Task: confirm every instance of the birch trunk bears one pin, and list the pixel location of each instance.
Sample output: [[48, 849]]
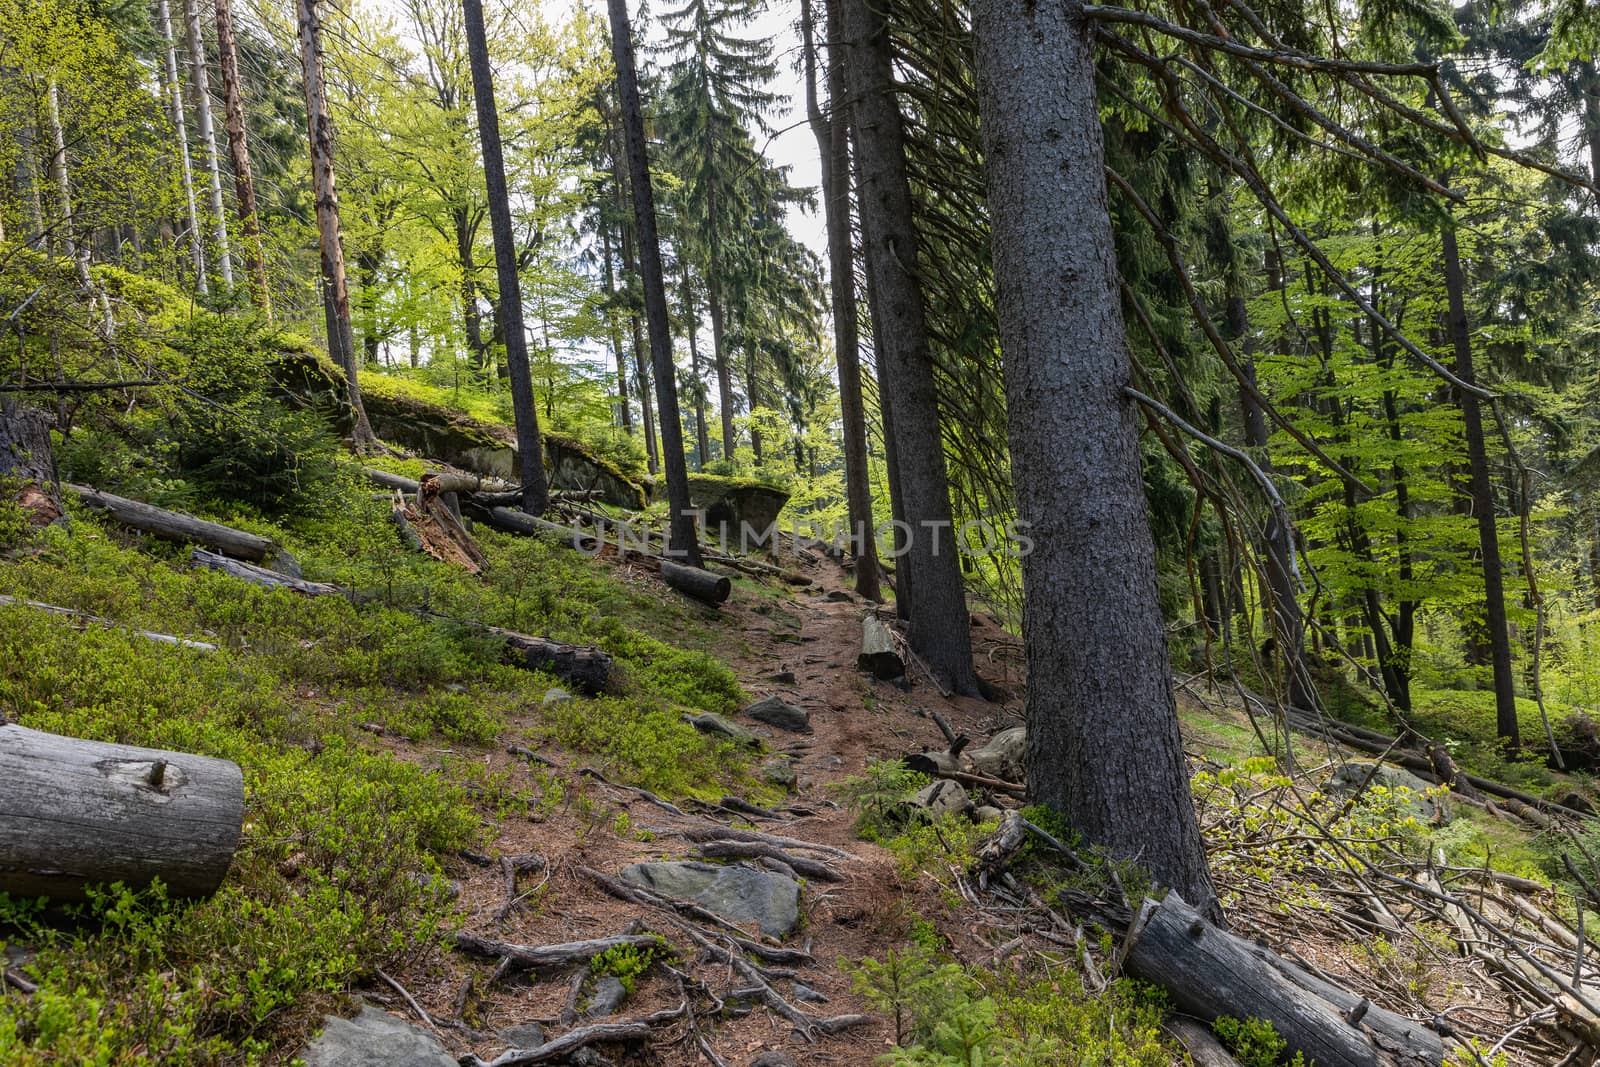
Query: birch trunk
[[173, 90], [200, 83], [77, 249]]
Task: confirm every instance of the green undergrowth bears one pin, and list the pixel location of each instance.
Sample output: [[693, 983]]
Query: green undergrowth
[[338, 870]]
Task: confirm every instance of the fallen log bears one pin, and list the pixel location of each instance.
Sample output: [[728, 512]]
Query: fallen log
[[75, 812], [1199, 1042], [584, 666], [84, 616], [518, 522], [700, 584], [1211, 973], [249, 572], [176, 526], [879, 657], [440, 530]]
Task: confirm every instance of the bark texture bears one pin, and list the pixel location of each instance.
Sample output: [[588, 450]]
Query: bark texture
[[530, 448], [940, 631], [244, 184], [172, 89], [206, 130], [1103, 743], [682, 540]]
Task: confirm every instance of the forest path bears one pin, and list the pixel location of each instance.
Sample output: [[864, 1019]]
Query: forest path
[[763, 631]]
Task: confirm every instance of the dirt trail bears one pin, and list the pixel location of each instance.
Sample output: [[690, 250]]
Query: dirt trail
[[815, 634]]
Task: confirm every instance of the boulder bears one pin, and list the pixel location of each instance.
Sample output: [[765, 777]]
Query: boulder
[[730, 504], [939, 799], [609, 993], [374, 1039], [555, 696], [1349, 776], [774, 711], [987, 813], [774, 1059], [737, 894], [1003, 756], [710, 722], [778, 771], [572, 466]]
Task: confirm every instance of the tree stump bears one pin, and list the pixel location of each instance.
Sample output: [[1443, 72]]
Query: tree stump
[[27, 456]]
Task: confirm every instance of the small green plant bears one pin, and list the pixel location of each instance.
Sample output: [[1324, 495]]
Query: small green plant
[[628, 963], [875, 797], [1255, 1043]]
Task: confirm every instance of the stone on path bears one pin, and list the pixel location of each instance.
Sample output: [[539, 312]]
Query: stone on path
[[774, 711], [721, 726], [522, 1035], [738, 894], [941, 798], [374, 1039], [609, 993]]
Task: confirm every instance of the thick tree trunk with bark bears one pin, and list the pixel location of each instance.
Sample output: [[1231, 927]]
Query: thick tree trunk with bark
[[28, 457], [206, 131], [1494, 606], [530, 444], [320, 125], [940, 631], [172, 89], [630, 264], [77, 812], [683, 540], [1103, 743], [244, 185], [832, 134]]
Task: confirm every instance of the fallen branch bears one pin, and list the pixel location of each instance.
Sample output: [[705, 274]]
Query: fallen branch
[[730, 833], [538, 956], [560, 1048], [249, 572], [84, 616]]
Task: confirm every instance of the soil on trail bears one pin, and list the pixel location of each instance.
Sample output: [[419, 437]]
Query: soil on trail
[[766, 633]]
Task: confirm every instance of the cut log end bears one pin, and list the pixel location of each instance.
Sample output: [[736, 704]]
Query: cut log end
[[700, 584], [879, 656]]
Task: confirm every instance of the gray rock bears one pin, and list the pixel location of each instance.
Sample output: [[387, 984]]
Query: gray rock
[[523, 1035], [556, 696], [1349, 776], [774, 1059], [987, 813], [738, 894], [783, 677], [775, 712], [1002, 756], [721, 726], [374, 1039], [941, 798], [779, 772], [609, 993], [840, 595]]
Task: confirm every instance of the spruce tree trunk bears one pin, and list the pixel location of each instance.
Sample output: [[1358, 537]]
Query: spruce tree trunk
[[173, 91], [624, 406], [692, 319], [630, 264], [1494, 606], [207, 133], [244, 185], [530, 444], [833, 148], [940, 630], [1103, 743], [719, 359], [752, 370], [320, 125], [683, 540]]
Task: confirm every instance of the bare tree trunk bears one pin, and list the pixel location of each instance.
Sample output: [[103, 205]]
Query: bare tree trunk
[[1103, 743], [320, 125], [77, 249], [719, 360], [28, 179], [832, 134], [752, 390], [244, 184], [530, 444], [174, 93], [940, 631], [683, 541], [1494, 607], [207, 133], [692, 322], [630, 264], [624, 407]]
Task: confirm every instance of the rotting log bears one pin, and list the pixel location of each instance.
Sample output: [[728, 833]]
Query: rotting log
[[584, 666], [249, 572], [75, 812], [176, 526], [1211, 973], [518, 522], [701, 584], [879, 657], [1199, 1042]]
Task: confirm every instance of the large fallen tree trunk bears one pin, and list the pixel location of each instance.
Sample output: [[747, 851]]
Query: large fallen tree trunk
[[700, 584], [530, 525], [1210, 973], [249, 572], [176, 526], [879, 656], [584, 666], [76, 812]]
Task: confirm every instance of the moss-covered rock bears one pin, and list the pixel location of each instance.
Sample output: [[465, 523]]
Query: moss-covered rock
[[572, 466], [732, 503]]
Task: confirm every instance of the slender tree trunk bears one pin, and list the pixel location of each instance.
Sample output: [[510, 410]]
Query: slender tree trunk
[[691, 321], [719, 359], [752, 371], [76, 247], [1103, 743], [624, 406], [207, 133], [173, 90], [28, 180], [940, 631], [832, 134], [368, 260], [244, 185], [1505, 700], [530, 443], [320, 124], [683, 540], [630, 264]]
